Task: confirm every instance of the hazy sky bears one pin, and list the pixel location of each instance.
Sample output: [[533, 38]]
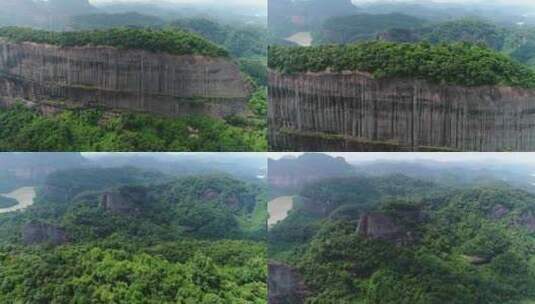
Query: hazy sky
[[522, 2], [176, 154], [523, 158], [217, 2]]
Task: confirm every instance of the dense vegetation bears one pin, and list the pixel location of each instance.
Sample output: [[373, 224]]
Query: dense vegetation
[[186, 240], [105, 21], [172, 41], [93, 130], [459, 63], [513, 40], [240, 41], [472, 245], [6, 202], [362, 27], [469, 30]]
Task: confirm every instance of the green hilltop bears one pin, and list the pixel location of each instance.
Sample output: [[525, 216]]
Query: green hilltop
[[463, 63], [172, 41]]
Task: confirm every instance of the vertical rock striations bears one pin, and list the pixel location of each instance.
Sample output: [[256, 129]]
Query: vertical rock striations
[[96, 76], [285, 285], [353, 111], [34, 233]]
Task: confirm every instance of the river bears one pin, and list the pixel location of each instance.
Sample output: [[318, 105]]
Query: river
[[24, 196], [301, 38], [278, 209]]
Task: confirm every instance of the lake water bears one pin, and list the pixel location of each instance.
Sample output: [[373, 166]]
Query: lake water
[[278, 209], [301, 38], [24, 196]]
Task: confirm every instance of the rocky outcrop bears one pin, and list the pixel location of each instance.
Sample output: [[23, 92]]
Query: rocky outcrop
[[353, 111], [526, 221], [52, 78], [35, 233], [285, 285], [477, 260], [499, 211], [125, 201], [380, 226], [233, 201], [292, 173]]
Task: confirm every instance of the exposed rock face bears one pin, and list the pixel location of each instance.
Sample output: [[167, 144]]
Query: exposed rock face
[[51, 78], [317, 207], [285, 285], [125, 201], [35, 233], [499, 211], [379, 226], [526, 221], [353, 111], [209, 194], [294, 172], [477, 260], [231, 200]]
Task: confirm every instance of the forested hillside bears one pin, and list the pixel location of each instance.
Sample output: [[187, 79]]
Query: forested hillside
[[125, 235], [94, 130], [169, 41], [506, 29], [362, 27], [460, 63], [394, 239]]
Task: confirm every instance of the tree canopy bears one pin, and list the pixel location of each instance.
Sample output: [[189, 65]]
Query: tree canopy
[[172, 41], [457, 64]]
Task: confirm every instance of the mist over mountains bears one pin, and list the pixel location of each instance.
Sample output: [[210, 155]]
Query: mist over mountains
[[57, 14]]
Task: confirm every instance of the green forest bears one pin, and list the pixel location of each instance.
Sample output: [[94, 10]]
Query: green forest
[[512, 40], [95, 130], [458, 63], [166, 40], [135, 236], [363, 27], [429, 243], [488, 52], [92, 130]]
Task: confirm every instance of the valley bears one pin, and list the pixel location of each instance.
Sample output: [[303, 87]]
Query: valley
[[124, 234], [379, 236]]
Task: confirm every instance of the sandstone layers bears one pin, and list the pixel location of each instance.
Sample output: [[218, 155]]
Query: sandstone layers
[[353, 111], [285, 285], [51, 77]]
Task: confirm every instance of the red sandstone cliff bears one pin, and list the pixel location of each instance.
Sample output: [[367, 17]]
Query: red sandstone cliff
[[353, 111], [136, 80]]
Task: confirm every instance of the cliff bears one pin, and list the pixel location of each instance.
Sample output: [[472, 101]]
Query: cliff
[[118, 203], [292, 173], [352, 111], [34, 233], [51, 78], [285, 285], [380, 226]]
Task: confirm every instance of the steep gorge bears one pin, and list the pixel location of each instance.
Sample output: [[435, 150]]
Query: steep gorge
[[52, 78], [353, 111]]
